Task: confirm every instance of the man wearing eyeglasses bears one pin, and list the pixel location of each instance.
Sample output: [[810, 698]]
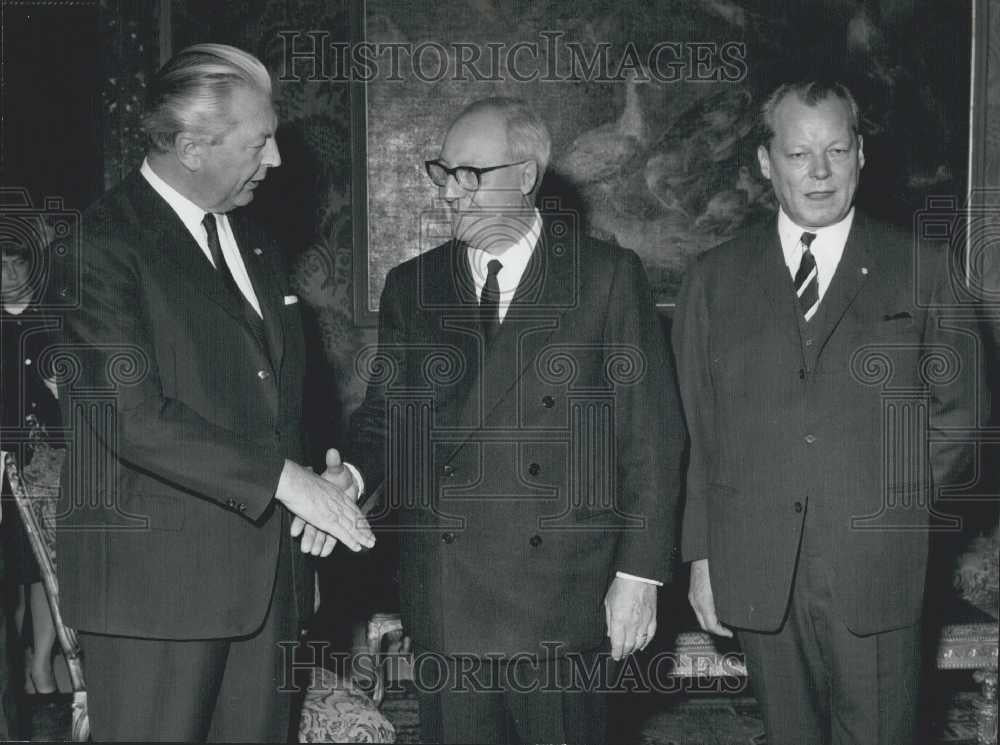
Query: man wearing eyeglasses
[[526, 439]]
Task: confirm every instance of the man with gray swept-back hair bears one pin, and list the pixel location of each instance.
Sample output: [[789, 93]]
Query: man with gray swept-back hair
[[183, 495], [535, 498]]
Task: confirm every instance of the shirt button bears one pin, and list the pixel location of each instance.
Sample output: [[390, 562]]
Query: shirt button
[[535, 541], [242, 507], [809, 342], [802, 374], [263, 374], [548, 402], [27, 360], [810, 439], [534, 469], [798, 506], [231, 504], [448, 538]]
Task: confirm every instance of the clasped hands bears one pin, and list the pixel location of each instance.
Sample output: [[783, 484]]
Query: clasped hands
[[324, 508]]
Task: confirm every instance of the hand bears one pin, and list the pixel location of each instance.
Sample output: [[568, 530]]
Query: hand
[[313, 541], [630, 612], [329, 511], [340, 475], [702, 601]]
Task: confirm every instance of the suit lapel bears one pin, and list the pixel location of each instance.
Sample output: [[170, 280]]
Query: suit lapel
[[263, 276], [447, 292], [771, 275], [545, 292], [177, 246], [851, 275]]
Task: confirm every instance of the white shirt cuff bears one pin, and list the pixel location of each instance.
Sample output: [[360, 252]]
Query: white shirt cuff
[[625, 575], [358, 481]]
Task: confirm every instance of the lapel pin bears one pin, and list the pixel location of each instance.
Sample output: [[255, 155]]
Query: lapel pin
[[258, 252], [864, 270]]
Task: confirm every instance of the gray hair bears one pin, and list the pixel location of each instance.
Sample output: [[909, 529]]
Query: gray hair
[[527, 136], [191, 92], [809, 92]]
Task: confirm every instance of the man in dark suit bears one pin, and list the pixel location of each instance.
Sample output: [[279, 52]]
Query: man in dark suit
[[522, 424], [817, 381], [184, 394]]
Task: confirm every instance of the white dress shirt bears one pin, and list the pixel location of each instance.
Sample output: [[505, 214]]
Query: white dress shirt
[[827, 247], [192, 215], [515, 260]]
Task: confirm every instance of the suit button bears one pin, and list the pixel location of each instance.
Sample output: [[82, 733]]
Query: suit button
[[534, 469], [798, 506], [263, 374], [242, 507], [535, 541], [448, 471], [548, 402], [810, 439], [448, 538]]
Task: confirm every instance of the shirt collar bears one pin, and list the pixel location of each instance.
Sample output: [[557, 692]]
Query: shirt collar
[[830, 235], [515, 259], [189, 212]]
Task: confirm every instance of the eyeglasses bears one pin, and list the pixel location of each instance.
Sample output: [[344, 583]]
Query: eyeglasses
[[468, 177]]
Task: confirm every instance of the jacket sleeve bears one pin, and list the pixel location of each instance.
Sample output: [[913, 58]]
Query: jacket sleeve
[[648, 424], [953, 369], [381, 368], [691, 342]]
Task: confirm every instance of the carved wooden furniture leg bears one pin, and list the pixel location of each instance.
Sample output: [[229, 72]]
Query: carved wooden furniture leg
[[67, 636], [986, 708]]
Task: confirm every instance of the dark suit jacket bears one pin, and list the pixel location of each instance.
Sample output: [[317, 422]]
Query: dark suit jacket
[[521, 480], [181, 422], [831, 417]]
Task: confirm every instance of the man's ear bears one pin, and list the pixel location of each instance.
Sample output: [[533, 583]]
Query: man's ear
[[764, 160], [529, 177], [190, 150]]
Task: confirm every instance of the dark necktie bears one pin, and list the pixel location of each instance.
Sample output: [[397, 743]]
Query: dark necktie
[[807, 279], [215, 246], [489, 301]]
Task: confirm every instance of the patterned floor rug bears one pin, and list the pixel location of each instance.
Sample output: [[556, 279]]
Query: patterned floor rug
[[713, 720], [675, 720]]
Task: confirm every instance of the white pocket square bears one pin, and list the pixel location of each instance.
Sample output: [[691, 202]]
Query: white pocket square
[[291, 299]]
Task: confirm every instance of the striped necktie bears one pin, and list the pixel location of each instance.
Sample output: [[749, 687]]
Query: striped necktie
[[807, 279]]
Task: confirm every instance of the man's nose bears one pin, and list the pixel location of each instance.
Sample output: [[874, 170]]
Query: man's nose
[[819, 167], [451, 190], [272, 158]]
